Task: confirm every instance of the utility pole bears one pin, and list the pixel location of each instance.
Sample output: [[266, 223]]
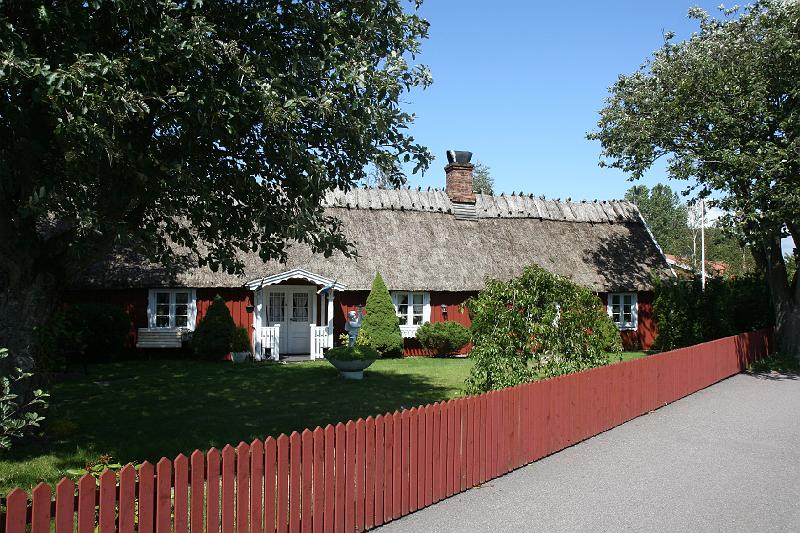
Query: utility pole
[[703, 242]]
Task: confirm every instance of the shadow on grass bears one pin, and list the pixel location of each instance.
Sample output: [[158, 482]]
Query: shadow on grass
[[143, 411]]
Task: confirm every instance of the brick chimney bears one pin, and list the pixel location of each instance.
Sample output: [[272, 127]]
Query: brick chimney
[[458, 174]]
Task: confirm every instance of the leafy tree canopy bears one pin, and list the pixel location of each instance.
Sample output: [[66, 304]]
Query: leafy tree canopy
[[482, 179], [665, 214], [216, 126], [722, 108]]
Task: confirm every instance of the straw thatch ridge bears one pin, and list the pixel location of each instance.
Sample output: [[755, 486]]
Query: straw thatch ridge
[[412, 238]]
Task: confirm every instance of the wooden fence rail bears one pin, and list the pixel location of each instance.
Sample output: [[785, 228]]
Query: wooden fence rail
[[359, 475]]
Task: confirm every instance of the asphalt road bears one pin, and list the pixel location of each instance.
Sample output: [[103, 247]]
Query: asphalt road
[[724, 459]]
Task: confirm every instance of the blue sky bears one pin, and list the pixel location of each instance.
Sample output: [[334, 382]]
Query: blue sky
[[520, 83]]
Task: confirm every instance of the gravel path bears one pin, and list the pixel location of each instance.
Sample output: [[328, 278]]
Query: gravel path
[[724, 459]]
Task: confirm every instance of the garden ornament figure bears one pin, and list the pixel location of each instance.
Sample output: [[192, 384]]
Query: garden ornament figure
[[353, 325]]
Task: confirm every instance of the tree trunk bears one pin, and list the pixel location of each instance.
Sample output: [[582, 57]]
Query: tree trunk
[[26, 306], [785, 297]]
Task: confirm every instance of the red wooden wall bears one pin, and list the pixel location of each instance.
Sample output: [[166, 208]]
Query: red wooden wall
[[134, 302], [359, 475]]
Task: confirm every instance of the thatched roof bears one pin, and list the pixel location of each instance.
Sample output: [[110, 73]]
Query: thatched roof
[[415, 241]]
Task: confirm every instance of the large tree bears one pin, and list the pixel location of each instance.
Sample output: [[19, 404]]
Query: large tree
[[723, 108], [665, 214], [211, 126]]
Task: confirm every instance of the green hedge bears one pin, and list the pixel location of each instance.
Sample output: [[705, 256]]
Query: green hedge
[[87, 332], [443, 337], [687, 315]]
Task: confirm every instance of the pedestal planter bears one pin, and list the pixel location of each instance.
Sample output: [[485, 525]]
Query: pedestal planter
[[351, 369], [240, 357]]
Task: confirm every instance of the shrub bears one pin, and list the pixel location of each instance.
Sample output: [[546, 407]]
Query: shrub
[[536, 325], [380, 328], [213, 335], [17, 415], [352, 353], [687, 315], [443, 337], [241, 340], [89, 332]]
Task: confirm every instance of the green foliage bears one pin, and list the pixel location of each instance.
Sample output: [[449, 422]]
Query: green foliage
[[443, 337], [721, 109], [666, 216], [380, 328], [240, 341], [17, 415], [90, 332], [482, 179], [352, 353], [687, 315], [213, 335], [538, 324], [213, 128], [776, 362]]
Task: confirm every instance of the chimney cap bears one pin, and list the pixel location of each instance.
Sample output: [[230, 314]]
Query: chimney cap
[[458, 156]]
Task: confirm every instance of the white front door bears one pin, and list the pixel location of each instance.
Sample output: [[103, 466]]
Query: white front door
[[299, 332], [293, 308]]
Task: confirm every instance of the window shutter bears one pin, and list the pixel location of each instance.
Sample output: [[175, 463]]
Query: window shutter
[[635, 309], [426, 307], [151, 309]]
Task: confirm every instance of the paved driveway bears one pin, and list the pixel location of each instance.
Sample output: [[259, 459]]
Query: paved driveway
[[724, 459]]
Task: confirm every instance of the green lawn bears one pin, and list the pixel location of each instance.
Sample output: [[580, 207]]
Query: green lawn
[[143, 410]]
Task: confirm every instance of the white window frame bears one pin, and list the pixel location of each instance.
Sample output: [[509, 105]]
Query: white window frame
[[192, 309], [407, 327], [621, 324]]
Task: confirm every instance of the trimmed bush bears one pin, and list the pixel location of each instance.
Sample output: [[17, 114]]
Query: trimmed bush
[[380, 328], [213, 335], [89, 332], [536, 325], [687, 315], [241, 341], [443, 337], [352, 353]]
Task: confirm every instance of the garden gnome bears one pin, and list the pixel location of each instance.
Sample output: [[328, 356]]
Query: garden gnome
[[353, 325]]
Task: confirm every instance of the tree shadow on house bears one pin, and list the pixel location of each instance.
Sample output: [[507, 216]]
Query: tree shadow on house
[[138, 411]]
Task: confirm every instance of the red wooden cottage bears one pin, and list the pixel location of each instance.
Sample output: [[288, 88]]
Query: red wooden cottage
[[434, 249]]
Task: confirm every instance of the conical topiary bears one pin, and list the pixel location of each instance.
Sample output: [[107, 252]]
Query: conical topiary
[[213, 335], [380, 328]]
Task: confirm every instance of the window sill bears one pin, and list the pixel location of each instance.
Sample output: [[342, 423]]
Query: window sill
[[408, 332]]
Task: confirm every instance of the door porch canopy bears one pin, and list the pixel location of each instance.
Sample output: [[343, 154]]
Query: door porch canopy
[[269, 337], [296, 273]]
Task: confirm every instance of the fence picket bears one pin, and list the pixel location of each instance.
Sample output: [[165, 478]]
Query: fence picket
[[318, 512], [350, 476], [405, 469], [181, 494], [306, 480], [228, 496], [17, 510], [270, 484], [369, 473], [421, 458], [196, 491], [380, 468], [388, 457], [256, 486], [65, 507], [212, 490], [40, 508], [413, 458], [294, 482], [430, 454], [360, 473], [146, 498], [339, 450], [242, 488], [282, 485]]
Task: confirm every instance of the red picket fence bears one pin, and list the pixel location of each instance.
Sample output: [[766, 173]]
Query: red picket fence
[[359, 475]]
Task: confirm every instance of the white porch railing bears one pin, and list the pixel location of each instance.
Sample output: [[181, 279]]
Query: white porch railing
[[271, 342], [320, 338]]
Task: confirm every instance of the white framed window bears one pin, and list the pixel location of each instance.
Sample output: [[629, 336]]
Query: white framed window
[[413, 309], [622, 308], [171, 309]]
